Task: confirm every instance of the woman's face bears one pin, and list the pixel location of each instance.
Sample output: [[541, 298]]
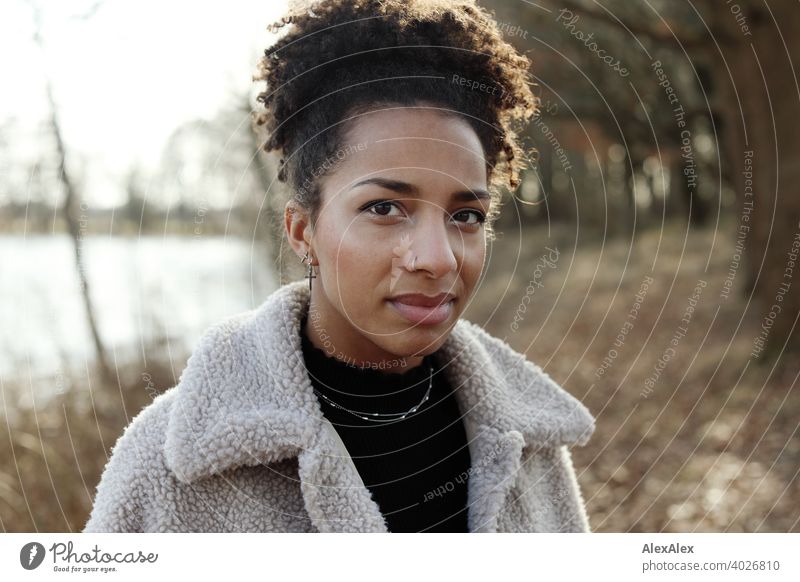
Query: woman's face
[[407, 183]]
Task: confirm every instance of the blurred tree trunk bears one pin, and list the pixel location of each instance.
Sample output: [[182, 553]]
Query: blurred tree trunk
[[72, 204], [762, 80]]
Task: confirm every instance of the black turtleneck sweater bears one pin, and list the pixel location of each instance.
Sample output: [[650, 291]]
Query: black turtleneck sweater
[[416, 468]]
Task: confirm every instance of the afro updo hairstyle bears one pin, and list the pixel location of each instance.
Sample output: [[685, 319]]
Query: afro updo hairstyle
[[341, 58]]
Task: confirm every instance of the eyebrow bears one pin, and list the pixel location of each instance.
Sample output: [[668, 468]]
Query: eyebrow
[[406, 188]]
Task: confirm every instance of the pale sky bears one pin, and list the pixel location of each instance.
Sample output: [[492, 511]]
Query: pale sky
[[127, 77]]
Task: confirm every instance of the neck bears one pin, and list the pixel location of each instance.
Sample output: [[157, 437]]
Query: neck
[[326, 330]]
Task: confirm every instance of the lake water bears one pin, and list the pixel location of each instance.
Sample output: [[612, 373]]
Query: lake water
[[143, 289]]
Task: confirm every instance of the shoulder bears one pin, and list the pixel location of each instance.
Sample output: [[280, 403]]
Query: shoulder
[[517, 363], [145, 433], [143, 438], [135, 469], [244, 334], [541, 406], [513, 363]]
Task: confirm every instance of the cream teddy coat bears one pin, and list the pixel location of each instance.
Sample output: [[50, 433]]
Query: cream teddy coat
[[240, 444]]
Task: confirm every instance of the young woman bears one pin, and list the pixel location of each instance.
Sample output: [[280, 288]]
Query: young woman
[[357, 399]]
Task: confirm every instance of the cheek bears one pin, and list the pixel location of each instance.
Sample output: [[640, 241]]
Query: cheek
[[361, 276], [362, 260], [336, 242], [475, 255], [357, 265]]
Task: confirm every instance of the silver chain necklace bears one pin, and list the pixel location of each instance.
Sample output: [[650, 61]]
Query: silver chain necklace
[[383, 417]]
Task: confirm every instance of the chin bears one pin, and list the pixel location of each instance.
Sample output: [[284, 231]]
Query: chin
[[420, 342]]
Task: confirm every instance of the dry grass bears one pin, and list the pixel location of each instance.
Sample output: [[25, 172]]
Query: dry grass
[[54, 451], [715, 446]]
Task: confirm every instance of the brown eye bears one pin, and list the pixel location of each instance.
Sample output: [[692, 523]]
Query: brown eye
[[379, 207], [382, 208], [479, 217]]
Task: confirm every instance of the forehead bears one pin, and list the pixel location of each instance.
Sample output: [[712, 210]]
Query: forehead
[[412, 144]]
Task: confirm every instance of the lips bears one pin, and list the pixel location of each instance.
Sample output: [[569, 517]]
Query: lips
[[420, 300], [423, 309]]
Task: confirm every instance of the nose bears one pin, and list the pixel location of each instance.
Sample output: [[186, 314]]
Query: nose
[[434, 243]]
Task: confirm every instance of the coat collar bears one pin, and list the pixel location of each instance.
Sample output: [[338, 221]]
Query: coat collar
[[245, 398]]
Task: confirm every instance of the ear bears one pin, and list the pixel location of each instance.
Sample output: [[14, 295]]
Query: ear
[[298, 227]]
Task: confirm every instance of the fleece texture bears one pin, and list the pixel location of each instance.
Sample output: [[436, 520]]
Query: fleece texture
[[240, 444]]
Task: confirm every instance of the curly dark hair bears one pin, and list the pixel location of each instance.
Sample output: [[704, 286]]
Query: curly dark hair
[[340, 58]]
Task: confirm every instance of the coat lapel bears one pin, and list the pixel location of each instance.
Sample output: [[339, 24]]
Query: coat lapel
[[507, 403], [335, 496], [245, 398]]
